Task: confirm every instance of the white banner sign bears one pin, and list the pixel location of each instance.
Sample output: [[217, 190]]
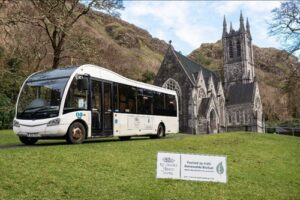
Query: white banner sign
[[191, 167]]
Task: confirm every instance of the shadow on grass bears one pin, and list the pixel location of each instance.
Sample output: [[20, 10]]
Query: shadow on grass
[[49, 143]]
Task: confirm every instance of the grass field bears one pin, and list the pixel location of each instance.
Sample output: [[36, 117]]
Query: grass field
[[260, 166]]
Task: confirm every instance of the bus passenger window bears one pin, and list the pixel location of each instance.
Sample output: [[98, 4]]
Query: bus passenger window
[[158, 103], [171, 105], [76, 99], [131, 105], [127, 98], [145, 105], [122, 103]]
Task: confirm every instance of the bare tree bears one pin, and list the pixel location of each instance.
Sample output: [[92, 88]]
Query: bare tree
[[57, 18], [286, 25]]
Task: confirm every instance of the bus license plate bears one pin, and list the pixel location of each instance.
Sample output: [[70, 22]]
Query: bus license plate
[[32, 134]]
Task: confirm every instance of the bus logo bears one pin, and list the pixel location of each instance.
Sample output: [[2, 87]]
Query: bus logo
[[79, 115]]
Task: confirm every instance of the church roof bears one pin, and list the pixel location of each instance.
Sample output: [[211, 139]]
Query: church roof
[[241, 93], [204, 106], [192, 68]]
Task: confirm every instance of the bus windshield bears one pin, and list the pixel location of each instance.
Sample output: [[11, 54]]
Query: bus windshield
[[41, 99]]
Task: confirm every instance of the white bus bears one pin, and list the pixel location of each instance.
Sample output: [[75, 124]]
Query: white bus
[[77, 103]]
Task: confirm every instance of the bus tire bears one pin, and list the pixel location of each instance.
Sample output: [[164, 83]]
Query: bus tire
[[124, 138], [28, 140], [160, 132], [76, 133]]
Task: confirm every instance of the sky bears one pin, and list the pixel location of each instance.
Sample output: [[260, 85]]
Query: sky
[[190, 23]]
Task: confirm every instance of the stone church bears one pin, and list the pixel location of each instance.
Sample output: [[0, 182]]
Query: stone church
[[208, 104]]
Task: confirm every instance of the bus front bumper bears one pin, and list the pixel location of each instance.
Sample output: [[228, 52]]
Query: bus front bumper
[[25, 128]]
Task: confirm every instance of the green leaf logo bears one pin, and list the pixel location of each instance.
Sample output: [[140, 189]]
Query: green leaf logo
[[220, 168]]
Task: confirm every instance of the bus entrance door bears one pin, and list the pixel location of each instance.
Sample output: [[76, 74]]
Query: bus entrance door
[[101, 108], [107, 108]]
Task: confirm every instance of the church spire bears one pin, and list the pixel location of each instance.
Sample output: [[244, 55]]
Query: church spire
[[242, 27], [248, 28], [231, 29], [224, 26]]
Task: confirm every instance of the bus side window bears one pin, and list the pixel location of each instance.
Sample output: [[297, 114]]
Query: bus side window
[[127, 98], [145, 104], [171, 105], [158, 103], [122, 103], [76, 99]]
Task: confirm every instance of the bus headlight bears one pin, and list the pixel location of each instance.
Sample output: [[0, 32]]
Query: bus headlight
[[16, 123], [53, 122]]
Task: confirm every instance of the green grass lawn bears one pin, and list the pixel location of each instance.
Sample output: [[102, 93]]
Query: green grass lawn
[[260, 166]]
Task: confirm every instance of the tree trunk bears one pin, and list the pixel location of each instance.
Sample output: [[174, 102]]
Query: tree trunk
[[57, 52], [55, 62]]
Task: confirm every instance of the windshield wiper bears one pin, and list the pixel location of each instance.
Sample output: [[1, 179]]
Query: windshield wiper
[[43, 108], [31, 108]]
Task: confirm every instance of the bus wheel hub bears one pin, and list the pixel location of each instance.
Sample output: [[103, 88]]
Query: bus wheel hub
[[77, 133]]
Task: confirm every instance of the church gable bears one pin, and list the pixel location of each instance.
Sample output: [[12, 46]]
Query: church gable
[[220, 90], [169, 68], [200, 82], [201, 87], [211, 87], [193, 69]]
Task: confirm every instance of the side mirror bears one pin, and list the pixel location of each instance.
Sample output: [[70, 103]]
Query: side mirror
[[83, 84]]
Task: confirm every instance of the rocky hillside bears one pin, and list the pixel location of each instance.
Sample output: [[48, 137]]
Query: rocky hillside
[[272, 69], [96, 38]]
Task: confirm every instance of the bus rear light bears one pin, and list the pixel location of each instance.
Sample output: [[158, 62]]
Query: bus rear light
[[53, 122]]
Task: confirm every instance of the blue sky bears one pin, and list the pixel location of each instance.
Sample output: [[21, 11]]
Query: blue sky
[[190, 23]]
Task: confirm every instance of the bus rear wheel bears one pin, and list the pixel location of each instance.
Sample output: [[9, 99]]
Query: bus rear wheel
[[76, 133], [27, 140], [160, 132]]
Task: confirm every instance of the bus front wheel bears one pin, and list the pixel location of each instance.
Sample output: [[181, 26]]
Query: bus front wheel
[[27, 140], [76, 133]]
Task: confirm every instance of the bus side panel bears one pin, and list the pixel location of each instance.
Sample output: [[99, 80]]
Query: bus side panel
[[170, 123], [134, 124]]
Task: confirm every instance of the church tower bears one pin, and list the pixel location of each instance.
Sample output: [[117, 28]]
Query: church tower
[[238, 54]]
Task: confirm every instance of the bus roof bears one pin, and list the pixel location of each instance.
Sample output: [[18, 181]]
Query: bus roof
[[106, 74], [54, 73]]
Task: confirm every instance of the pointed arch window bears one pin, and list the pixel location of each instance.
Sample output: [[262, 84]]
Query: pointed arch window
[[230, 49], [171, 84], [229, 118], [238, 48], [237, 116], [201, 94]]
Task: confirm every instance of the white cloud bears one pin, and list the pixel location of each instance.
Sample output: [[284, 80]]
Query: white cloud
[[190, 23], [226, 7], [177, 18]]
